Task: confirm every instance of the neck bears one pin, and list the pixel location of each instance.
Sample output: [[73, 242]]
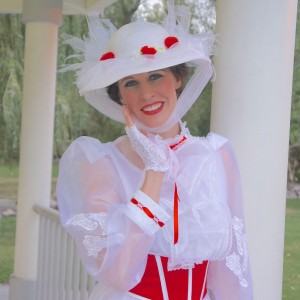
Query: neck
[[175, 130]]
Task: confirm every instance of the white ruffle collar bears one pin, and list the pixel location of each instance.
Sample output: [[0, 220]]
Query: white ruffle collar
[[184, 132]]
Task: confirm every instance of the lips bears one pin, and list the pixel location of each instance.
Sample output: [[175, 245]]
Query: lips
[[153, 108]]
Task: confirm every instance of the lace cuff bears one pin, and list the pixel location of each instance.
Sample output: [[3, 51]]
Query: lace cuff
[[147, 214], [89, 229], [238, 262]]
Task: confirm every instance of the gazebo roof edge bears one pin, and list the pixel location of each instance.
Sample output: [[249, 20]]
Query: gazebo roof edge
[[70, 7]]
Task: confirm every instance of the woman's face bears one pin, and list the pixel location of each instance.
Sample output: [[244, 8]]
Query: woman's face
[[151, 96]]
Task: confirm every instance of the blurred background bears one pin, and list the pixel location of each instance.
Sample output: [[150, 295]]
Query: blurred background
[[74, 118]]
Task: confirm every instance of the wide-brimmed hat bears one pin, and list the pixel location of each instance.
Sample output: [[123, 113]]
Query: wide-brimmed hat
[[108, 55]]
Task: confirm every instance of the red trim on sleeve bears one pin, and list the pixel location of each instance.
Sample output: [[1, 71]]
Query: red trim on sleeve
[[148, 212]]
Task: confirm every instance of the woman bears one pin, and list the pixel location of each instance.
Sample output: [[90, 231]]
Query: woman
[[156, 214]]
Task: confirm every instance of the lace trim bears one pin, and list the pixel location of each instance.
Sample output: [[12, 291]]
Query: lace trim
[[101, 219], [94, 244], [233, 261], [185, 265], [89, 221], [184, 131]]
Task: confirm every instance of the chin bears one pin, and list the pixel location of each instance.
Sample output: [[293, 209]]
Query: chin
[[155, 122]]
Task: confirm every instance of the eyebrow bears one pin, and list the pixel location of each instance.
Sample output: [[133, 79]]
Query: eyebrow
[[150, 72], [159, 70], [126, 78]]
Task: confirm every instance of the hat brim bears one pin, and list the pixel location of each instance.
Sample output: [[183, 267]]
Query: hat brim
[[104, 73]]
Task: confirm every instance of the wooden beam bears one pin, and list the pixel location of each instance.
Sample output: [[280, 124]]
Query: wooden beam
[[70, 7], [11, 6]]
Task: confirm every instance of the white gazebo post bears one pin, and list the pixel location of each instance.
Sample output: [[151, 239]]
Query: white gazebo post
[[251, 106], [42, 18]]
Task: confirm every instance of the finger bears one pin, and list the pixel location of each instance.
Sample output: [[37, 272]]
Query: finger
[[127, 117]]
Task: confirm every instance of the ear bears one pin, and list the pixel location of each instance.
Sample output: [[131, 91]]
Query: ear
[[178, 82]]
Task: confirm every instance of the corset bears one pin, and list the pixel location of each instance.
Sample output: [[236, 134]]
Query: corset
[[158, 283]]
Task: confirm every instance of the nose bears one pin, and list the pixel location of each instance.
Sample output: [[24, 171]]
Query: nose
[[146, 91]]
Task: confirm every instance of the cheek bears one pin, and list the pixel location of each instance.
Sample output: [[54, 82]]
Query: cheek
[[170, 89], [124, 96], [129, 99]]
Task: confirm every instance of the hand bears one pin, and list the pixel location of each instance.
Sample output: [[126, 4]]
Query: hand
[[154, 156]]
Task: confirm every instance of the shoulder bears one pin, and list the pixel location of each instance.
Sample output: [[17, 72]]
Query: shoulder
[[223, 150], [216, 141], [89, 147], [212, 142]]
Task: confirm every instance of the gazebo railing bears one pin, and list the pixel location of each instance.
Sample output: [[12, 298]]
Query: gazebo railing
[[61, 275]]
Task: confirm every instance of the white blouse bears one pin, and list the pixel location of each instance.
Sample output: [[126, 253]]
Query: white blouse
[[96, 183]]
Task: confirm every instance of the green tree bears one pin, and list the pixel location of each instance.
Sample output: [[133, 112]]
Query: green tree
[[11, 73], [294, 151], [74, 116], [121, 12]]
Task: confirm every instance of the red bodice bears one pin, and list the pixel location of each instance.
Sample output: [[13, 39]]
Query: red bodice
[[176, 281]]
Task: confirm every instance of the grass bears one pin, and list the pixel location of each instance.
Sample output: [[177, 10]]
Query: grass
[[8, 190], [291, 267], [9, 171], [291, 270], [9, 181], [12, 171], [7, 247]]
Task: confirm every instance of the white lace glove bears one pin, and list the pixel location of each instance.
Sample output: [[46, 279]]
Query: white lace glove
[[154, 156]]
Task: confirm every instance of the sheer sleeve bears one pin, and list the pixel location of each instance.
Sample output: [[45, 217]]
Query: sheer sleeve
[[96, 211], [230, 278]]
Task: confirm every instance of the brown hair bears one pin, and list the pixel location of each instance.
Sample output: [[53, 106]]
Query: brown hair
[[179, 71]]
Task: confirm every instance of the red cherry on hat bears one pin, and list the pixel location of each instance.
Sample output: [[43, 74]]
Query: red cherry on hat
[[107, 55], [170, 41], [148, 50]]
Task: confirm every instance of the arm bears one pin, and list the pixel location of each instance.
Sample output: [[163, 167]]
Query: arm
[[152, 184], [230, 278], [110, 237]]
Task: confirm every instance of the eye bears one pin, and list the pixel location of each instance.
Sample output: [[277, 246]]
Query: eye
[[130, 83], [155, 76]]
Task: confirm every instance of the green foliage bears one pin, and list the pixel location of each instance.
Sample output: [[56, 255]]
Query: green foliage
[[198, 117], [294, 151], [74, 116], [121, 12], [11, 73], [295, 112]]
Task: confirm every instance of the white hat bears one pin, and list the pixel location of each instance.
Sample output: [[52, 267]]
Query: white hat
[[109, 55]]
